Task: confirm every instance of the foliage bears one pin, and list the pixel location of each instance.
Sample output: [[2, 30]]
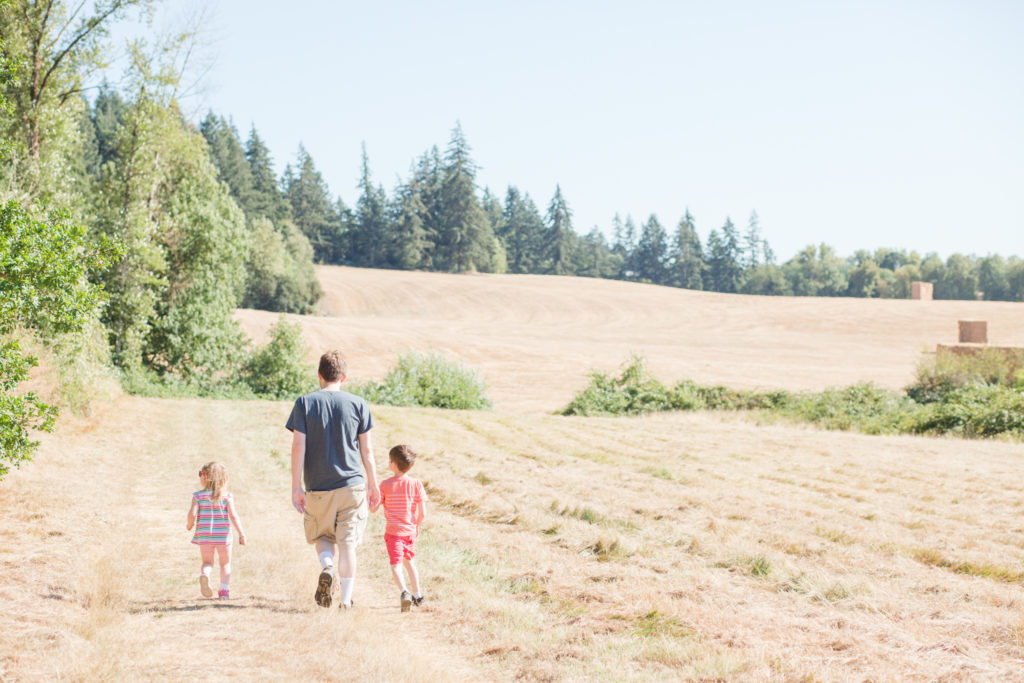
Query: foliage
[[985, 401], [429, 380], [944, 374], [277, 370], [43, 287]]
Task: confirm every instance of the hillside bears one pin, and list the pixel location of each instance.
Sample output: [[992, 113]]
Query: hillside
[[534, 338]]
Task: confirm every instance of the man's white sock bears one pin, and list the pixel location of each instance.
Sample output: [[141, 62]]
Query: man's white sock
[[326, 559], [346, 590]]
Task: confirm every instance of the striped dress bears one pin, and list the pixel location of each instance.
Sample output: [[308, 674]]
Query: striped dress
[[213, 524]]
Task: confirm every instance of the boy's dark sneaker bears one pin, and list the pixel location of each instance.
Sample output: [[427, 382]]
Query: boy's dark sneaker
[[406, 601], [323, 588], [416, 602]]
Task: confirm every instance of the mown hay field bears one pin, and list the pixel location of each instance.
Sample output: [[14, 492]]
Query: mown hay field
[[677, 546], [534, 338]]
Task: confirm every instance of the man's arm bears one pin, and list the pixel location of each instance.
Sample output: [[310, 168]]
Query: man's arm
[[370, 468], [298, 460]]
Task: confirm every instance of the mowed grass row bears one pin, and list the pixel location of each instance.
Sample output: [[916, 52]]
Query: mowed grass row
[[677, 545]]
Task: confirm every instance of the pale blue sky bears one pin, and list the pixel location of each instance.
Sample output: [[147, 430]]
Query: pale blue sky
[[861, 124]]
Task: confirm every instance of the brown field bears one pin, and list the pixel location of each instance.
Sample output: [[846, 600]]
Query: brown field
[[535, 337], [673, 547]]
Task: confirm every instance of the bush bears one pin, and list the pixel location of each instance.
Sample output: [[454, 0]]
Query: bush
[[971, 397], [978, 410], [426, 380], [633, 392], [277, 370], [938, 378], [863, 406]]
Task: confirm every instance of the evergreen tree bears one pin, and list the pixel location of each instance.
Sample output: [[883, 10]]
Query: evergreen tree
[[559, 238], [650, 259], [626, 245], [369, 243], [594, 258], [686, 256], [107, 114], [725, 268], [464, 235], [753, 244], [412, 244], [521, 230], [267, 200], [229, 157], [312, 210]]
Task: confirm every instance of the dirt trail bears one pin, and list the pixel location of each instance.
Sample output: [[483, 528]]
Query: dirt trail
[[100, 577]]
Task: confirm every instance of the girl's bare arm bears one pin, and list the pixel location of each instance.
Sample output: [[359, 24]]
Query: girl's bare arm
[[234, 520], [192, 514]]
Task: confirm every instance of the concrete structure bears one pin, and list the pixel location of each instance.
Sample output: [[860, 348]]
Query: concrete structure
[[921, 291]]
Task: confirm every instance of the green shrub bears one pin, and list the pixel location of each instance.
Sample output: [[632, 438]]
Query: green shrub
[[427, 380], [939, 377], [978, 410], [277, 370], [633, 392], [863, 406], [973, 397]]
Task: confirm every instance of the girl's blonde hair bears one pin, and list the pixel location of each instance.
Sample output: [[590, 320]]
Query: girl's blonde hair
[[216, 480]]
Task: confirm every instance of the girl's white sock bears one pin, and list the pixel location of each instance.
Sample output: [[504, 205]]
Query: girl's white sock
[[346, 590], [326, 559], [417, 595], [223, 586]]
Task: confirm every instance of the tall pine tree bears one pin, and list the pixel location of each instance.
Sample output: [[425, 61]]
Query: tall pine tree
[[559, 237]]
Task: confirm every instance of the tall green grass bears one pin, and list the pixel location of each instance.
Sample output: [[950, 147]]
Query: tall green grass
[[965, 396]]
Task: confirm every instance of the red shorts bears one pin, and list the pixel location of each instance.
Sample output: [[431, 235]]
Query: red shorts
[[400, 547]]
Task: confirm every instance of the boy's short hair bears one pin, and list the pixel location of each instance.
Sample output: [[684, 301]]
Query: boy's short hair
[[403, 457], [333, 366]]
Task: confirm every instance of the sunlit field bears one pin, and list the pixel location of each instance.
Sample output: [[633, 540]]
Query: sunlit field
[[700, 546]]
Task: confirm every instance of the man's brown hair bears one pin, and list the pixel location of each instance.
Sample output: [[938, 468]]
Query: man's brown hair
[[333, 366], [403, 457]]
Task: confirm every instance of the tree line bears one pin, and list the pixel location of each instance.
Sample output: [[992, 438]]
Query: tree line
[[439, 220]]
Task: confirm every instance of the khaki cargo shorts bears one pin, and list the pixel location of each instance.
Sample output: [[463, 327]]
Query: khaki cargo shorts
[[338, 515]]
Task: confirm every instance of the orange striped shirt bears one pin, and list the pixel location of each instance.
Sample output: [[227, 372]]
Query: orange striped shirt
[[400, 496]]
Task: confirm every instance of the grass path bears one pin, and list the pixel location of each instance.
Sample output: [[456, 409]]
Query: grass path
[[676, 546]]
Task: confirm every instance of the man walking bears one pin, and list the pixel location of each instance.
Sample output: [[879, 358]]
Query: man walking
[[333, 474]]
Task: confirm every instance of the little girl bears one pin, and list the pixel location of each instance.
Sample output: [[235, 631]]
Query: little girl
[[211, 510]]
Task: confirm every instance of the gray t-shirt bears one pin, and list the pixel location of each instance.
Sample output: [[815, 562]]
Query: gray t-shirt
[[332, 422]]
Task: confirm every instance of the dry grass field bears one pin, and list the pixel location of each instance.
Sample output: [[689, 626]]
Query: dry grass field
[[673, 547], [535, 337]]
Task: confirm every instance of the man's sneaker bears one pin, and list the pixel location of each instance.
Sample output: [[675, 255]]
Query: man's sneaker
[[406, 601], [223, 594], [417, 601], [323, 588], [204, 586]]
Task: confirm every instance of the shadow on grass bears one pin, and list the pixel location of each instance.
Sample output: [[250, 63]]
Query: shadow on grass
[[165, 607]]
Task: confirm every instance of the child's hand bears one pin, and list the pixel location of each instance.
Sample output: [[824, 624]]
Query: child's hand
[[241, 539]]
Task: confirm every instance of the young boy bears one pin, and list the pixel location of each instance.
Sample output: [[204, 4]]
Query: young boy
[[405, 505]]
